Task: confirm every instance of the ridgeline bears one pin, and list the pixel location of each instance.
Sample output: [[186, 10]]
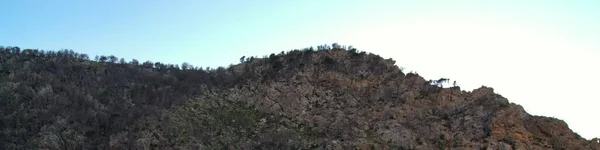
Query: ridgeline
[[331, 97]]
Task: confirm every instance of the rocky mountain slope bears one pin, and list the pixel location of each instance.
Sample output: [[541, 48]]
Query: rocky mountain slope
[[330, 98]]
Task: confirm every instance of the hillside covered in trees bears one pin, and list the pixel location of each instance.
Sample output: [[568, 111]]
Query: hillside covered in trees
[[331, 97]]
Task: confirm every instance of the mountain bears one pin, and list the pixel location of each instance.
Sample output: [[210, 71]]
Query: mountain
[[329, 98]]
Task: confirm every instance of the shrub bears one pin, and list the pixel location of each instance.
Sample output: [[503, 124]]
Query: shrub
[[328, 60]]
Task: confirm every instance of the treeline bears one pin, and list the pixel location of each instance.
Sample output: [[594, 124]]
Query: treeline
[[71, 55], [67, 54]]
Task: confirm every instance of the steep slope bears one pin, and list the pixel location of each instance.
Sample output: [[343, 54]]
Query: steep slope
[[302, 99]]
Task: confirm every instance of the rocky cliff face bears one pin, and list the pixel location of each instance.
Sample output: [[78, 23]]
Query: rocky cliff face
[[326, 99], [363, 101]]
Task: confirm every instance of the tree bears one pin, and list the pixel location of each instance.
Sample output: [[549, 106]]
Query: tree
[[323, 47], [159, 65], [83, 57], [60, 53], [336, 46], [440, 82], [352, 50], [272, 58], [242, 59], [135, 62], [185, 66], [103, 59], [16, 50], [148, 64], [113, 59]]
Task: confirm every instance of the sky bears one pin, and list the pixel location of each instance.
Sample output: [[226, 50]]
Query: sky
[[542, 55]]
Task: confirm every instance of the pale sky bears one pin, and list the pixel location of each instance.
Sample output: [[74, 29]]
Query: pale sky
[[542, 55]]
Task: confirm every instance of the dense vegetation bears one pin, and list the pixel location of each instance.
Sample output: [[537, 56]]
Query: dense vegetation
[[64, 100]]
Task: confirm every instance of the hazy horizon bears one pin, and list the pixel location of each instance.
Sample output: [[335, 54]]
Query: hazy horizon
[[537, 54]]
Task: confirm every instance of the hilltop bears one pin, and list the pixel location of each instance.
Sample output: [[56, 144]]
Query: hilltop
[[331, 97]]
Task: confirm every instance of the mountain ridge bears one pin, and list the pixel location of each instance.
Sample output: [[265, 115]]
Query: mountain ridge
[[332, 97]]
